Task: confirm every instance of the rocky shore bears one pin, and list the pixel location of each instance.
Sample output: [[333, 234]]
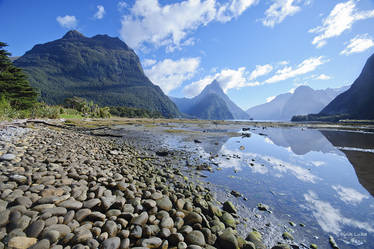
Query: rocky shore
[[64, 189]]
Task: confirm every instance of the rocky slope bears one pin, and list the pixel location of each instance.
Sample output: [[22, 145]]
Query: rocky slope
[[102, 69], [211, 103], [357, 102]]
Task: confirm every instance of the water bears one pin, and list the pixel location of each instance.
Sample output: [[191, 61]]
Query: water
[[323, 179]]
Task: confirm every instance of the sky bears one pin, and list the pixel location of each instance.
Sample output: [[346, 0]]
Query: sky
[[256, 49]]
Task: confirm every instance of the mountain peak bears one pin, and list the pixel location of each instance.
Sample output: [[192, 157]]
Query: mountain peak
[[73, 34], [213, 87]]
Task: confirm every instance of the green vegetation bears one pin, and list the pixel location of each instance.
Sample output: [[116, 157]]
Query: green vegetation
[[319, 118], [128, 112], [14, 87], [101, 69]]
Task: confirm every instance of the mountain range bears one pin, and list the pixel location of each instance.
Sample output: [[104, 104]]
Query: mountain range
[[358, 101], [101, 68], [211, 103], [303, 100]]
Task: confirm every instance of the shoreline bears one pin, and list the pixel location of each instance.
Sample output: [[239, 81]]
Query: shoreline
[[72, 189]]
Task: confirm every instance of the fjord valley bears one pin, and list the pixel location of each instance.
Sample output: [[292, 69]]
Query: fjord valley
[[189, 124]]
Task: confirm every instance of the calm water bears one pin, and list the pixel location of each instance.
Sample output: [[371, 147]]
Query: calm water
[[322, 179]]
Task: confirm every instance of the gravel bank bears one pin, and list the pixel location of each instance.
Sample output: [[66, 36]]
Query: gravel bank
[[63, 189]]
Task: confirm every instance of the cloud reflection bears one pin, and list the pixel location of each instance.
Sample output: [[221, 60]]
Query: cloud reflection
[[349, 195], [329, 218]]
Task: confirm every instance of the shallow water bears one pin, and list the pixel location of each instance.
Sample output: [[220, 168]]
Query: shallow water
[[322, 179]]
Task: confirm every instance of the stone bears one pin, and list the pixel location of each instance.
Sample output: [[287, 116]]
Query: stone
[[167, 222], [281, 246], [193, 218], [153, 242], [69, 216], [71, 204], [195, 238], [82, 214], [228, 220], [175, 238], [7, 157], [4, 218], [256, 238], [51, 235], [41, 244], [141, 219], [61, 228], [164, 204], [97, 216], [287, 236], [228, 240], [111, 228], [111, 243], [21, 242], [82, 236], [136, 232], [229, 207], [91, 203]]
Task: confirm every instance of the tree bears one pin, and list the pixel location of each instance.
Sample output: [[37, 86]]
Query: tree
[[14, 85]]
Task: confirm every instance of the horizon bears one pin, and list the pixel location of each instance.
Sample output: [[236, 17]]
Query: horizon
[[321, 44]]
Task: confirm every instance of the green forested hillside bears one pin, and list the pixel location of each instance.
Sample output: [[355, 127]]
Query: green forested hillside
[[102, 69]]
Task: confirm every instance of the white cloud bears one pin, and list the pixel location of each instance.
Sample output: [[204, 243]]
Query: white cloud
[[341, 18], [269, 99], [121, 5], [260, 71], [278, 11], [323, 77], [283, 63], [67, 21], [227, 78], [349, 195], [170, 74], [170, 25], [304, 67], [148, 62], [329, 218], [358, 44], [100, 12]]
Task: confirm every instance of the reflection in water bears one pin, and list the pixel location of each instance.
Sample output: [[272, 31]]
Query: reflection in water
[[363, 162], [300, 141], [329, 218], [349, 195]]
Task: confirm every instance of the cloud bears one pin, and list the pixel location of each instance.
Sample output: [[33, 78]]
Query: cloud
[[304, 67], [227, 78], [329, 218], [349, 195], [323, 77], [67, 21], [148, 62], [121, 5], [260, 71], [341, 18], [100, 12], [170, 25], [358, 44], [269, 99], [278, 11], [170, 74]]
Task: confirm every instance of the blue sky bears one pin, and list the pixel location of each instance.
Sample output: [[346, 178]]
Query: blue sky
[[256, 49]]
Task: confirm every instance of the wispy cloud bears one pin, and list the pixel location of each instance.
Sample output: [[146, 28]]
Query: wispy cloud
[[148, 62], [100, 12], [170, 74], [227, 78], [341, 18], [279, 10], [323, 77], [358, 44], [67, 21], [349, 195], [170, 25], [260, 70], [304, 67], [121, 5]]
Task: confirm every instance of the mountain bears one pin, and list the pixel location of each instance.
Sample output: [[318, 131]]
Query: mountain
[[102, 69], [358, 101], [211, 103], [302, 101]]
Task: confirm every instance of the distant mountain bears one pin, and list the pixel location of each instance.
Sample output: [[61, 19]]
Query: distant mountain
[[358, 101], [211, 103], [102, 69], [304, 100]]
